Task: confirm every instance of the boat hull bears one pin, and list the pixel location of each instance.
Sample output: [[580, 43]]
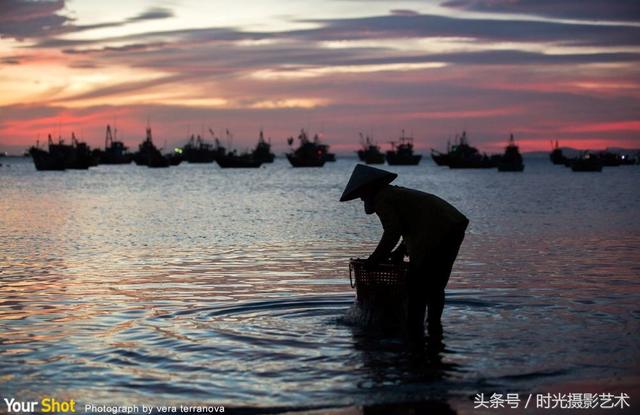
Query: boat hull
[[585, 166], [153, 161], [44, 161], [266, 158], [440, 159], [395, 160], [371, 157], [374, 159], [159, 163], [200, 158], [305, 162], [237, 163]]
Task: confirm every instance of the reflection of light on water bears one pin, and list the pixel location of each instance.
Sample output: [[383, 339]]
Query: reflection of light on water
[[196, 283]]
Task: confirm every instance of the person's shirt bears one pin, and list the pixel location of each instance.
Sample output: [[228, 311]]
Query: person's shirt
[[422, 219]]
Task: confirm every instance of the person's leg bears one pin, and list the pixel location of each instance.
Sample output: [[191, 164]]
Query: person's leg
[[440, 273], [435, 302], [417, 302]]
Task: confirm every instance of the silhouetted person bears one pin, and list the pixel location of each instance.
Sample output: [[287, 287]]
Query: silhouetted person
[[431, 229]]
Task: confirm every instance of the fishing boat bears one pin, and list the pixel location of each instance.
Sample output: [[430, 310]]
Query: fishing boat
[[627, 160], [328, 156], [81, 156], [609, 159], [310, 153], [511, 159], [262, 152], [464, 156], [197, 150], [175, 158], [44, 160], [587, 162], [232, 159], [115, 152], [370, 153], [61, 156], [218, 149], [54, 159], [556, 155], [402, 153], [441, 159], [149, 155]]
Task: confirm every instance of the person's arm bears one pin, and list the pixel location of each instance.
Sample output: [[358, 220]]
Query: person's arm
[[382, 252], [399, 253], [388, 215]]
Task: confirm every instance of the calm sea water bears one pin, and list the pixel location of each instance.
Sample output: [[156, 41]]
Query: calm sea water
[[125, 285]]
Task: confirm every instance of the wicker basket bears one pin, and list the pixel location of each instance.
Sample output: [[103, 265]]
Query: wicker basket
[[381, 294], [389, 277]]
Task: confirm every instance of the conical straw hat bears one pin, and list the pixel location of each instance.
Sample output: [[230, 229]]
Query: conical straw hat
[[362, 177]]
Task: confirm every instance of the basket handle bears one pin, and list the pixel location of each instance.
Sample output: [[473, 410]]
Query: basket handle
[[353, 285]]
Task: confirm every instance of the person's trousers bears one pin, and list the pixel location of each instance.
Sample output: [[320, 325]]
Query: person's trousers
[[428, 281]]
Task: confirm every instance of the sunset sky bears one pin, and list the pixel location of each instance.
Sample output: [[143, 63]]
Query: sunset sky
[[542, 69]]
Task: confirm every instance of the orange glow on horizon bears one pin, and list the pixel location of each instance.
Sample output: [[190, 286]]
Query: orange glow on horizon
[[340, 67]]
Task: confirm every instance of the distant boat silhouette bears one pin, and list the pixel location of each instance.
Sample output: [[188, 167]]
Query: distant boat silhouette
[[232, 159], [198, 150], [115, 152], [81, 157], [61, 156], [609, 159], [464, 156], [370, 153], [174, 158], [149, 155], [262, 152], [556, 155], [441, 159], [511, 160], [309, 153], [54, 159], [587, 162], [402, 153]]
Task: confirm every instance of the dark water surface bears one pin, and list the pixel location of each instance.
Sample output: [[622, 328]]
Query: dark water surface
[[193, 284]]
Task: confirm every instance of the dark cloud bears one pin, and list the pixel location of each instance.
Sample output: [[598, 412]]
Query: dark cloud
[[495, 30], [201, 64], [200, 50], [10, 60], [191, 36], [133, 47], [152, 14], [22, 19], [616, 10], [499, 57], [195, 55], [28, 18], [84, 65]]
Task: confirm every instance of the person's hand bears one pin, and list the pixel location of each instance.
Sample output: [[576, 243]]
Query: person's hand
[[372, 261], [399, 253], [397, 256]]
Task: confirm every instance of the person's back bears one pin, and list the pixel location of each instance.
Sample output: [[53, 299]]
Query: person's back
[[423, 219]]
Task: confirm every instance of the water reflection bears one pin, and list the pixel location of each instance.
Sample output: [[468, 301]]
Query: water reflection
[[201, 285], [415, 367]]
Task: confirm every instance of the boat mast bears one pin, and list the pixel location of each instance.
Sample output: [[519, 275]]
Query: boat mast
[[108, 139]]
